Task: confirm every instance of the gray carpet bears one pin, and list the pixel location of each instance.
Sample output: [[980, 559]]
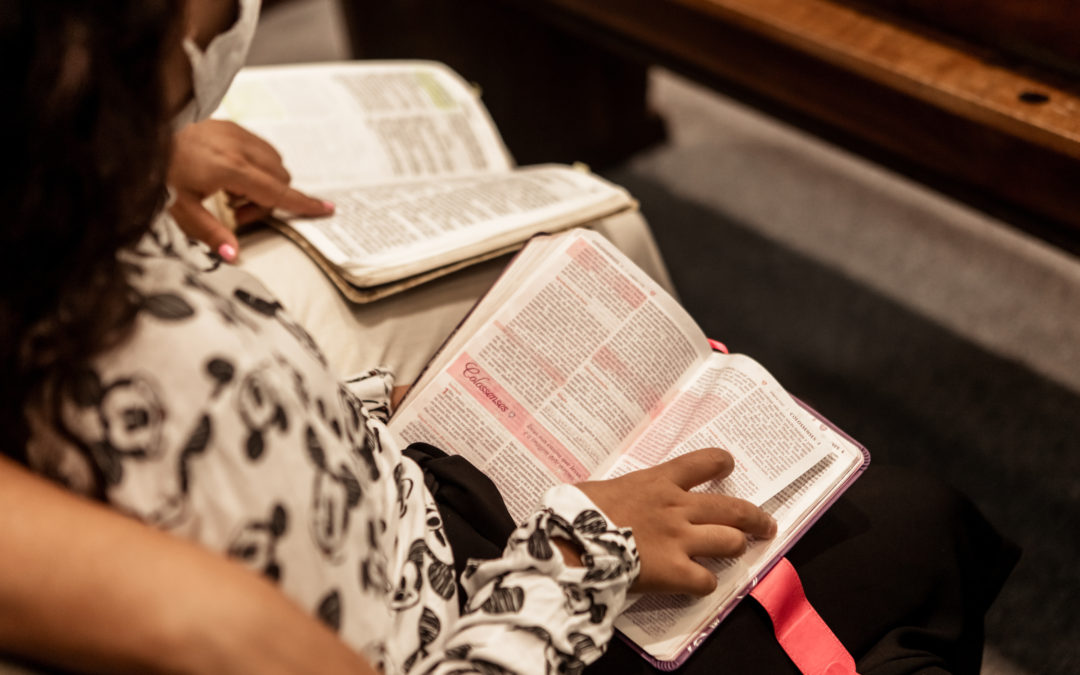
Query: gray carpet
[[915, 393], [941, 339], [938, 337]]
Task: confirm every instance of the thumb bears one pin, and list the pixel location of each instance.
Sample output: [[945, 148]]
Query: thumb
[[199, 223]]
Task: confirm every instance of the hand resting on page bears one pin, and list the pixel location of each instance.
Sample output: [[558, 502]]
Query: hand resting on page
[[672, 525]]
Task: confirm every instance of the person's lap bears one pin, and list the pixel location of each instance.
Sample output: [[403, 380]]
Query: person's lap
[[403, 331], [901, 568]]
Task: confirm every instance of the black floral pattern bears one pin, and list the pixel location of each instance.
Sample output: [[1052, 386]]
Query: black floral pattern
[[261, 411], [273, 309], [256, 544], [335, 494], [503, 599], [129, 418], [167, 307], [329, 610], [218, 420], [427, 630]]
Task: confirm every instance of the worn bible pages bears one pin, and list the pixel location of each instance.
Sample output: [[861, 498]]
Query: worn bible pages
[[350, 124], [382, 233], [576, 366], [669, 627], [421, 179]]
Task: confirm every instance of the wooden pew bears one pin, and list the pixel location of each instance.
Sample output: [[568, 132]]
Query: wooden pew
[[996, 124]]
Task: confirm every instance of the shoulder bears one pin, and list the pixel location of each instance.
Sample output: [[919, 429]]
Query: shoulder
[[211, 363]]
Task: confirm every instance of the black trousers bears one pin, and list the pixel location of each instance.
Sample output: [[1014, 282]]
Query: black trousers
[[902, 568]]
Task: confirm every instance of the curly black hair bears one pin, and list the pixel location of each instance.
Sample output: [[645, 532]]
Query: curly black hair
[[85, 140]]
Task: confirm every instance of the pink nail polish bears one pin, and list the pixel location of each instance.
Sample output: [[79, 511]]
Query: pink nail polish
[[227, 252], [328, 206]]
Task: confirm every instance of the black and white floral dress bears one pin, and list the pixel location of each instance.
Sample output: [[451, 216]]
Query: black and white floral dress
[[218, 420]]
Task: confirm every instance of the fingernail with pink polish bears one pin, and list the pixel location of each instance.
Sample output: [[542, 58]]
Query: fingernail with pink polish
[[328, 206], [227, 252]]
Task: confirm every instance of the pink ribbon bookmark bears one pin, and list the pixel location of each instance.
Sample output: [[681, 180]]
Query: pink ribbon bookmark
[[800, 630], [718, 346]]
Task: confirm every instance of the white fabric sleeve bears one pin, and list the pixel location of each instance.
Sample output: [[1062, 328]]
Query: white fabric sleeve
[[529, 612], [373, 388]]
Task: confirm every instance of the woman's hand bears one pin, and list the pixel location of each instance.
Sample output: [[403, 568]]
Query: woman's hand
[[397, 394], [672, 525], [218, 155]]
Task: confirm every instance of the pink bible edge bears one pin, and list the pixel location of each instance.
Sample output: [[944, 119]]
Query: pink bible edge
[[704, 633]]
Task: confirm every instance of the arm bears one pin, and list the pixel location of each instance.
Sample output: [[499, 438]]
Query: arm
[[536, 610], [86, 588]]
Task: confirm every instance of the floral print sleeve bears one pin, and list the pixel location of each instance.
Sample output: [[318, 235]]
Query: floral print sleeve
[[528, 612], [373, 388]]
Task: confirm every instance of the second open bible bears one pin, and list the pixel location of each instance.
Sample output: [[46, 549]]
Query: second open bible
[[577, 366]]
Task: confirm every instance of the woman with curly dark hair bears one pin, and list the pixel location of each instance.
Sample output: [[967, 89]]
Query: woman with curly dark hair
[[86, 135], [86, 155], [177, 390], [148, 376]]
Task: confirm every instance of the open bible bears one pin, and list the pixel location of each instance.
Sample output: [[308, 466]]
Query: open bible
[[422, 181], [577, 366]]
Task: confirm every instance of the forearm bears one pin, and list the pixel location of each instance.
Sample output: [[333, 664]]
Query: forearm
[[86, 588], [531, 612]]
